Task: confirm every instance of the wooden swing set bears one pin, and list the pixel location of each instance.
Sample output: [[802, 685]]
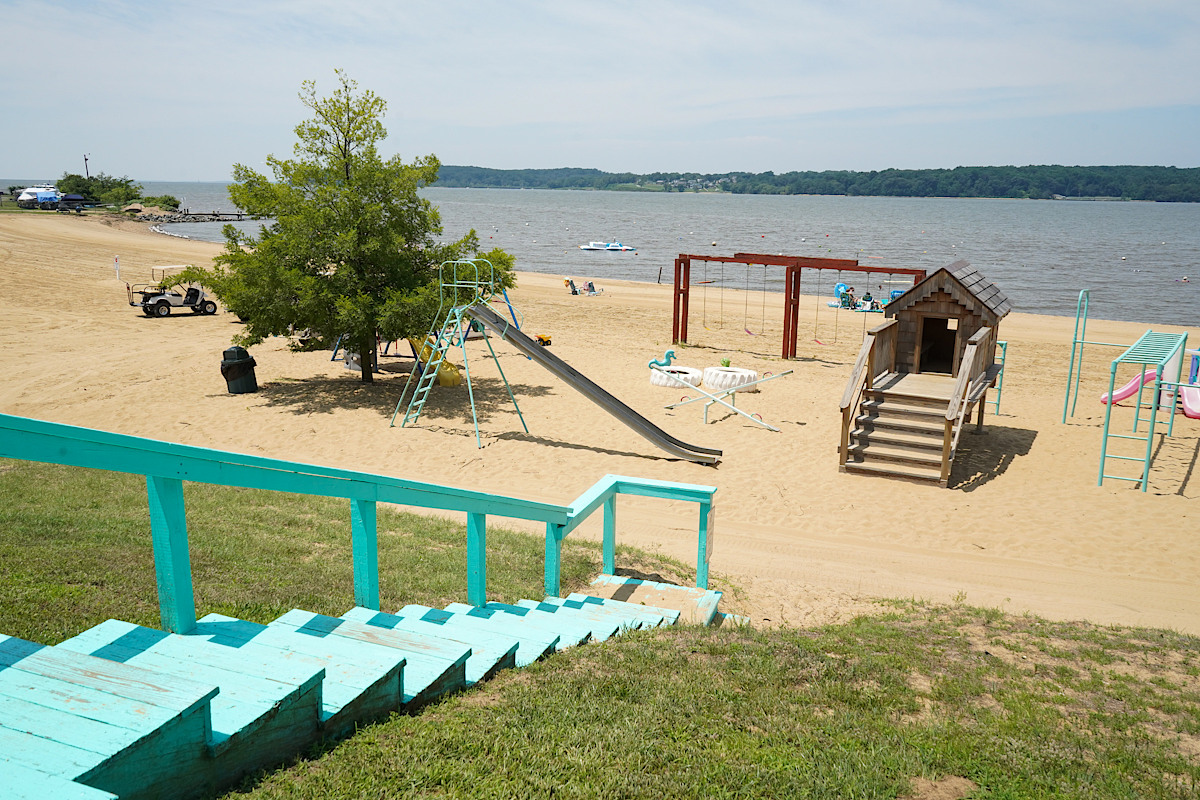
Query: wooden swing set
[[791, 304]]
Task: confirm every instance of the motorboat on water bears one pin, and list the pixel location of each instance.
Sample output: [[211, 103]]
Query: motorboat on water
[[612, 247]]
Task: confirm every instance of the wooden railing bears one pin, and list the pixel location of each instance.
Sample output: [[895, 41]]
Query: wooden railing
[[167, 465], [971, 371], [876, 357]]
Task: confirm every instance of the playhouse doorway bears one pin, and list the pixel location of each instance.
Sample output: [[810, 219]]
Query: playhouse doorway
[[939, 343]]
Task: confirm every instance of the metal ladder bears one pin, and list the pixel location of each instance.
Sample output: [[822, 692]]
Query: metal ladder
[[448, 336]]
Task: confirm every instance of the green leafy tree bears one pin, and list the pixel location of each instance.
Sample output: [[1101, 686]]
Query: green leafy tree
[[353, 249], [100, 188]]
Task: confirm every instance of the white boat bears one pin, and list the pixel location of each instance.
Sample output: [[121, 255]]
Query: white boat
[[609, 246]]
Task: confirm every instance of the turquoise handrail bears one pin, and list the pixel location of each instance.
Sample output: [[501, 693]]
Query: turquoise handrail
[[166, 465]]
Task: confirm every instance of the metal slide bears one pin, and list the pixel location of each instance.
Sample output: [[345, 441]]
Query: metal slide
[[580, 383]]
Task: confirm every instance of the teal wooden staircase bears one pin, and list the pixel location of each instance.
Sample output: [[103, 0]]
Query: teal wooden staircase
[[131, 712]]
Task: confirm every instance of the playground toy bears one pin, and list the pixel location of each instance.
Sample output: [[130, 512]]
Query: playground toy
[[465, 287], [661, 367], [1159, 358], [794, 266], [919, 375]]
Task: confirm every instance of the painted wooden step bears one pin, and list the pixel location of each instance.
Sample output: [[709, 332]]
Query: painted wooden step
[[268, 702], [532, 644], [669, 616], [490, 652], [115, 727], [362, 680], [696, 606], [625, 619], [435, 666], [25, 783], [570, 634]]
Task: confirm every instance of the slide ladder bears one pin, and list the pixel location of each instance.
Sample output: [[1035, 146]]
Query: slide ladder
[[447, 336]]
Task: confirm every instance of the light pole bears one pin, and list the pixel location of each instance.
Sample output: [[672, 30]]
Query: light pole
[[85, 169]]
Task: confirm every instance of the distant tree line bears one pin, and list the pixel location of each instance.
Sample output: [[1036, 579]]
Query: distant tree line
[[1164, 184]]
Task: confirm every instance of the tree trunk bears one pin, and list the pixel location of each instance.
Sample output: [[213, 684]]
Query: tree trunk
[[366, 350]]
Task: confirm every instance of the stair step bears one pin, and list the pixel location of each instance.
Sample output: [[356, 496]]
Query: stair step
[[895, 471], [898, 437], [897, 454], [696, 606], [569, 632], [637, 616], [434, 666], [898, 408], [533, 644], [362, 680], [262, 695], [490, 652], [576, 610], [103, 723], [909, 399], [669, 615], [913, 425], [26, 783]]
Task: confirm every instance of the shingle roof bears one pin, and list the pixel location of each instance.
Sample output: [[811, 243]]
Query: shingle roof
[[987, 292]]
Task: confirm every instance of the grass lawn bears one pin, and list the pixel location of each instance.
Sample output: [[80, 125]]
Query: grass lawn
[[973, 701]]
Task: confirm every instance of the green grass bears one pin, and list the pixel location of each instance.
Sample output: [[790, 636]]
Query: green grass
[[75, 550], [1022, 707]]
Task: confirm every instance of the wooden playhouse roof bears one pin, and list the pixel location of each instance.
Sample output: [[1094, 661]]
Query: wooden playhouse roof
[[968, 279]]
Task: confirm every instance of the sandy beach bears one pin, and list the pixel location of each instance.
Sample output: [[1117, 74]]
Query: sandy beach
[[1023, 526]]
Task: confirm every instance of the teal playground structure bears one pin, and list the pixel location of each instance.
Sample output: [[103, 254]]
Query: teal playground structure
[[1158, 358], [132, 712], [466, 289]]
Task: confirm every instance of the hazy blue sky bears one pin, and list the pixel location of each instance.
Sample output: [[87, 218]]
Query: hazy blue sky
[[182, 90]]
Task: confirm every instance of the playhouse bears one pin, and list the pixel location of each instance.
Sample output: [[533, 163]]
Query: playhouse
[[919, 375]]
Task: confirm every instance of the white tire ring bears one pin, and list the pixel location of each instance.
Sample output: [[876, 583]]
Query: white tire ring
[[688, 375], [722, 378]]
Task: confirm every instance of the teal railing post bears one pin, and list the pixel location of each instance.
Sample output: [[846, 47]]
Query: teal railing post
[[554, 537], [172, 566], [705, 544], [476, 559], [364, 545], [610, 534]]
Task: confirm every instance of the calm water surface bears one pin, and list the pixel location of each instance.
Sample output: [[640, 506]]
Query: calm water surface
[[1040, 253]]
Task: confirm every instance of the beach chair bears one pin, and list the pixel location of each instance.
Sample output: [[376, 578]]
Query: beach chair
[[847, 301]]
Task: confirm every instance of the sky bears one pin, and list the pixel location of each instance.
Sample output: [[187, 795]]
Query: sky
[[184, 90]]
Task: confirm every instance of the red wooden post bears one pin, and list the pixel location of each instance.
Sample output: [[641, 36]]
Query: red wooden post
[[791, 311], [679, 310]]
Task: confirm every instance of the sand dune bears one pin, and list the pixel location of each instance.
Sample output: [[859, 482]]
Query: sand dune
[[1023, 526]]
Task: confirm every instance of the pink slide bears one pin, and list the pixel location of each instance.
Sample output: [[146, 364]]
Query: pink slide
[[1130, 388], [1190, 397]]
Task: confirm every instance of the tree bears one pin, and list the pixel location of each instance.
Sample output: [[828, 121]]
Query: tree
[[100, 188], [352, 249]]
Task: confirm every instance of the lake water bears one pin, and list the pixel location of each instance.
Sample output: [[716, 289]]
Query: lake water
[[1040, 253]]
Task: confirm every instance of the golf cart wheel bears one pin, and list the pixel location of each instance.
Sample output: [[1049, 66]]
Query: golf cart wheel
[[210, 307], [162, 308]]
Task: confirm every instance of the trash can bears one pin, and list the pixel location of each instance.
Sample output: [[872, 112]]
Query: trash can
[[238, 369]]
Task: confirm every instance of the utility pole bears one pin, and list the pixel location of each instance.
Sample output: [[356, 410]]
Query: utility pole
[[85, 169]]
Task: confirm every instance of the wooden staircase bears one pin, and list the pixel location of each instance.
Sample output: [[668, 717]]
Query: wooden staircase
[[899, 430], [124, 711]]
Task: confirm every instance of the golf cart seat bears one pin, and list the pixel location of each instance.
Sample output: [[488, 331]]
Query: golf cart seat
[[193, 294]]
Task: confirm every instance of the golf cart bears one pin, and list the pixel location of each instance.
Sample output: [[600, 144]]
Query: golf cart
[[157, 299]]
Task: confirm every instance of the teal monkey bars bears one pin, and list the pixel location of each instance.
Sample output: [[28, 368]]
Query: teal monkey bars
[[1164, 353], [167, 465]]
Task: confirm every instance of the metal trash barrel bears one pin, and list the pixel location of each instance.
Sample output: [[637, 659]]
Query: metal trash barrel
[[238, 369]]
